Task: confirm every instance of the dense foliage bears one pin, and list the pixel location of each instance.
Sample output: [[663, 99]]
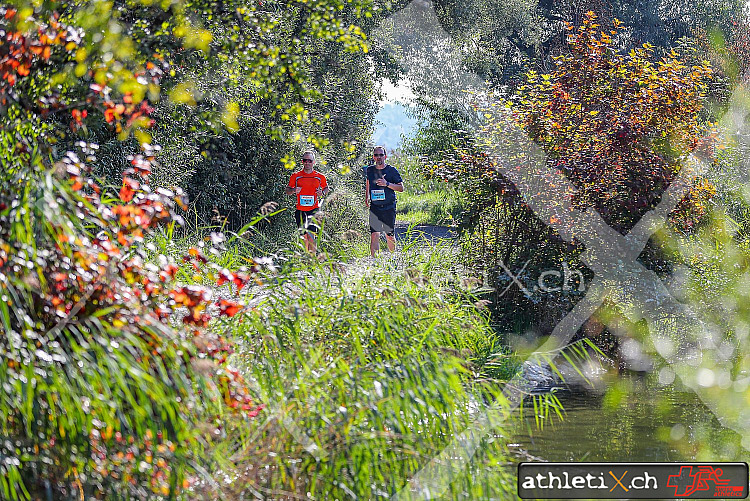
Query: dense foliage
[[500, 43], [617, 126], [371, 370], [271, 80], [102, 396]]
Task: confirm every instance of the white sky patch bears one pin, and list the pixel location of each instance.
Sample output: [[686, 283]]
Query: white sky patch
[[391, 123]]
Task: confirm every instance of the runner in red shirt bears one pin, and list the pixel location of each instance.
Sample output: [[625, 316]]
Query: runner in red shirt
[[308, 185]]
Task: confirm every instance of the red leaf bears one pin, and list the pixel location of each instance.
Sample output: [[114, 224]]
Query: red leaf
[[169, 272], [128, 189], [229, 308], [193, 252]]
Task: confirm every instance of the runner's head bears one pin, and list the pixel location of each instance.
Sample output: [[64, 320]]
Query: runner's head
[[379, 155], [308, 161]]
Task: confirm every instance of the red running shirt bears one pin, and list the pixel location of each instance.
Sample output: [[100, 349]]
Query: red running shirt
[[307, 199]]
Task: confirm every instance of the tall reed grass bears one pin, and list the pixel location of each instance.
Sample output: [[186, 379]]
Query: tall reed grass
[[368, 369]]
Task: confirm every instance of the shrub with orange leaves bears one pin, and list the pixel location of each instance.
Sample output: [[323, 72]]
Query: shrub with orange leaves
[[101, 396], [617, 125]]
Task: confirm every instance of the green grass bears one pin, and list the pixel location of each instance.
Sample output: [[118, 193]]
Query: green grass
[[374, 365], [424, 200], [367, 368], [434, 207]]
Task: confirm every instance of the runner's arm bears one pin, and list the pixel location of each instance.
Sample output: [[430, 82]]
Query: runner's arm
[[396, 186], [367, 192], [292, 189]]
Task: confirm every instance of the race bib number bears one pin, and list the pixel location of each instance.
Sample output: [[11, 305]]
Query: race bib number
[[378, 195], [306, 200]]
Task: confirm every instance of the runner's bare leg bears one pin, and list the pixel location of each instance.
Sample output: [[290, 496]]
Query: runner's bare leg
[[391, 241], [309, 243], [374, 243]]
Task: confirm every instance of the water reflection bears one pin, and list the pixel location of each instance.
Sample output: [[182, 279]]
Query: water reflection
[[628, 419]]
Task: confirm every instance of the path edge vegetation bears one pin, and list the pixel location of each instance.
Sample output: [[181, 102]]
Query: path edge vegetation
[[108, 396]]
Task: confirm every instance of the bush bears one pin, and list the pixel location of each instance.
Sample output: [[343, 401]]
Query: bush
[[101, 398], [617, 126]]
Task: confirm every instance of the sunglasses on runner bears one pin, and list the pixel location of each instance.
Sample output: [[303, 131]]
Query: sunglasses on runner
[[378, 154], [305, 160]]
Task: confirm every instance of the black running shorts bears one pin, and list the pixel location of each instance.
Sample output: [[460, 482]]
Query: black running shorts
[[305, 220], [382, 219]]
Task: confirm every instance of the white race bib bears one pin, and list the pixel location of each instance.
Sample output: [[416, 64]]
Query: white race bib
[[377, 194], [306, 200]]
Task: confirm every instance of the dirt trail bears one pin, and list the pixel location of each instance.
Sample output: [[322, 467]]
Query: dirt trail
[[429, 232]]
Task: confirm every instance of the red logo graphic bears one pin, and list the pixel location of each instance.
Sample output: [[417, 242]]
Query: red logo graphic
[[687, 482]]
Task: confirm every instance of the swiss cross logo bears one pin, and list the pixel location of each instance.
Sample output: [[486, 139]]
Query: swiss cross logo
[[692, 479]]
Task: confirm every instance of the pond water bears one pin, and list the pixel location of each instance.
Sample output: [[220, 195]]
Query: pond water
[[627, 419]]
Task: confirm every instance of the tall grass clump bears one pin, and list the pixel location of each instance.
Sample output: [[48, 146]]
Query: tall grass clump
[[368, 372]]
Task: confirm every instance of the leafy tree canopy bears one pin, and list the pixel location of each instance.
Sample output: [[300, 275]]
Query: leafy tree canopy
[[617, 125]]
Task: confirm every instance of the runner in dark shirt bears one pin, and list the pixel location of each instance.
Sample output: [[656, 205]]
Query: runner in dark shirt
[[382, 181]]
